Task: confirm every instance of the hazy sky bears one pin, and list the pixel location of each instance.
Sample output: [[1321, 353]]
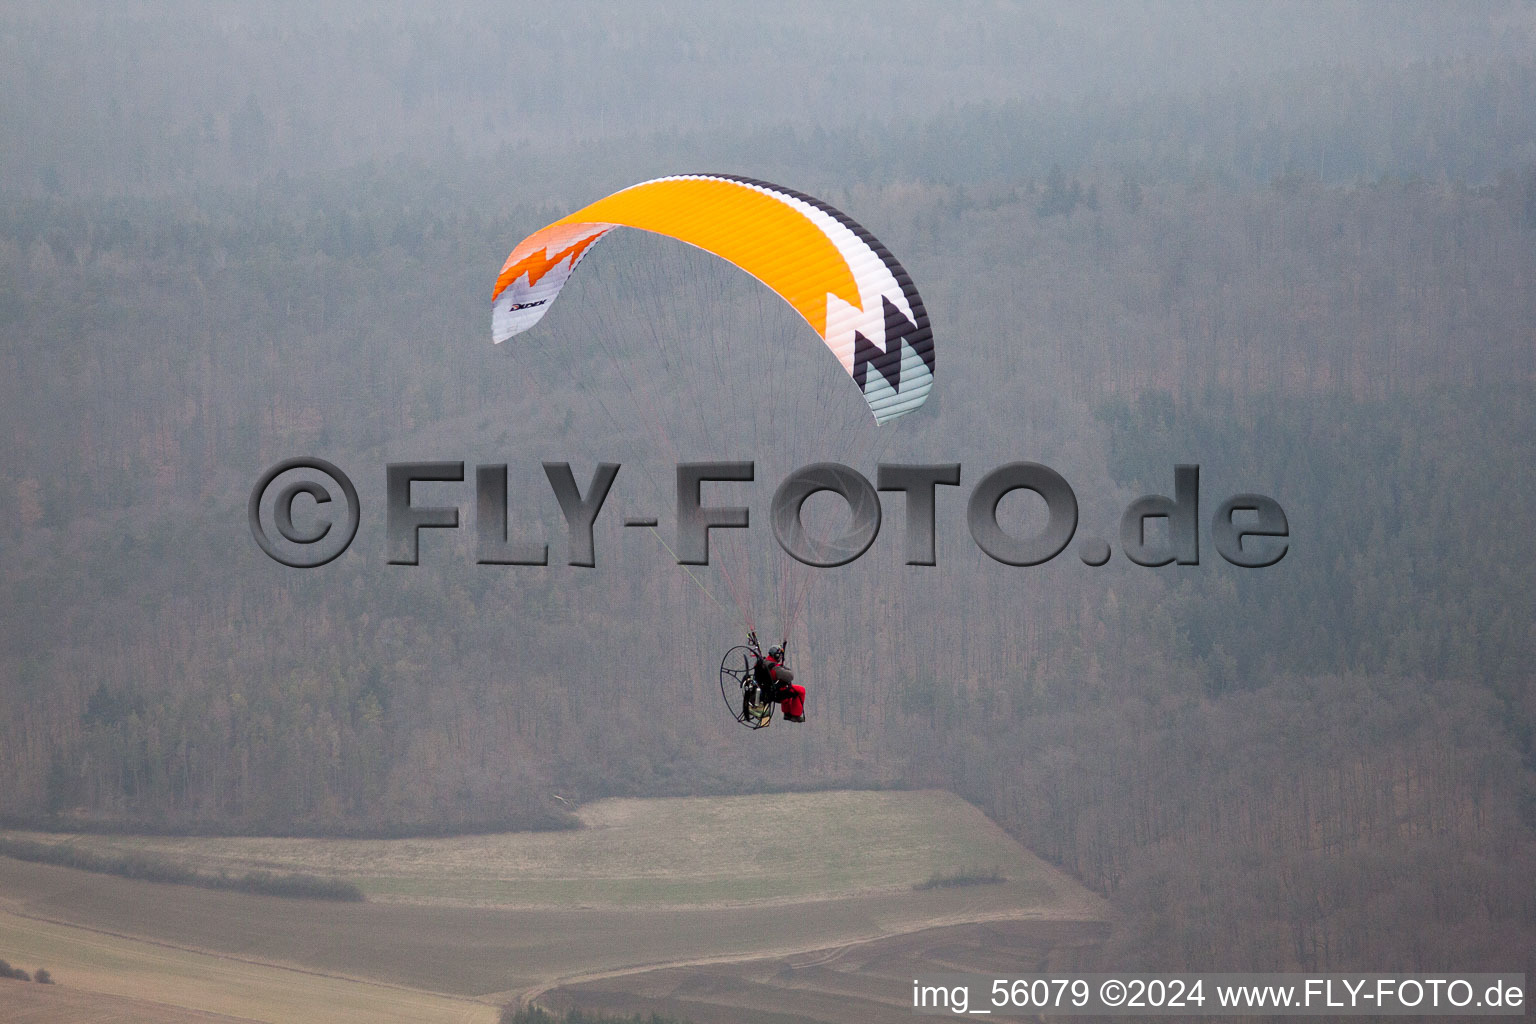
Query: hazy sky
[[126, 97]]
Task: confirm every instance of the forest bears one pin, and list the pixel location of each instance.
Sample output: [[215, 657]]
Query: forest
[[1315, 278]]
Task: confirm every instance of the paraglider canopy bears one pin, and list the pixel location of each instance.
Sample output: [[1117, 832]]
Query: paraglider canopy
[[836, 275]]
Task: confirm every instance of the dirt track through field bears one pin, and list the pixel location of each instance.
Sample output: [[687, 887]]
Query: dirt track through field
[[858, 983], [820, 954]]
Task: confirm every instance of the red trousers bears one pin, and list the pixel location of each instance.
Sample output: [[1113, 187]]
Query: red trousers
[[793, 702]]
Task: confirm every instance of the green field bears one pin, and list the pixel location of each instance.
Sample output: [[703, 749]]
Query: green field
[[91, 962], [646, 888], [634, 853]]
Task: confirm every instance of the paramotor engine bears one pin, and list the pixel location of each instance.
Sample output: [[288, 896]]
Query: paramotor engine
[[744, 698]]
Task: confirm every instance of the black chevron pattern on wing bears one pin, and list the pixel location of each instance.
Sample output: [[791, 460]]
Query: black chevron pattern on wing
[[898, 329], [916, 334], [922, 338], [865, 355]]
